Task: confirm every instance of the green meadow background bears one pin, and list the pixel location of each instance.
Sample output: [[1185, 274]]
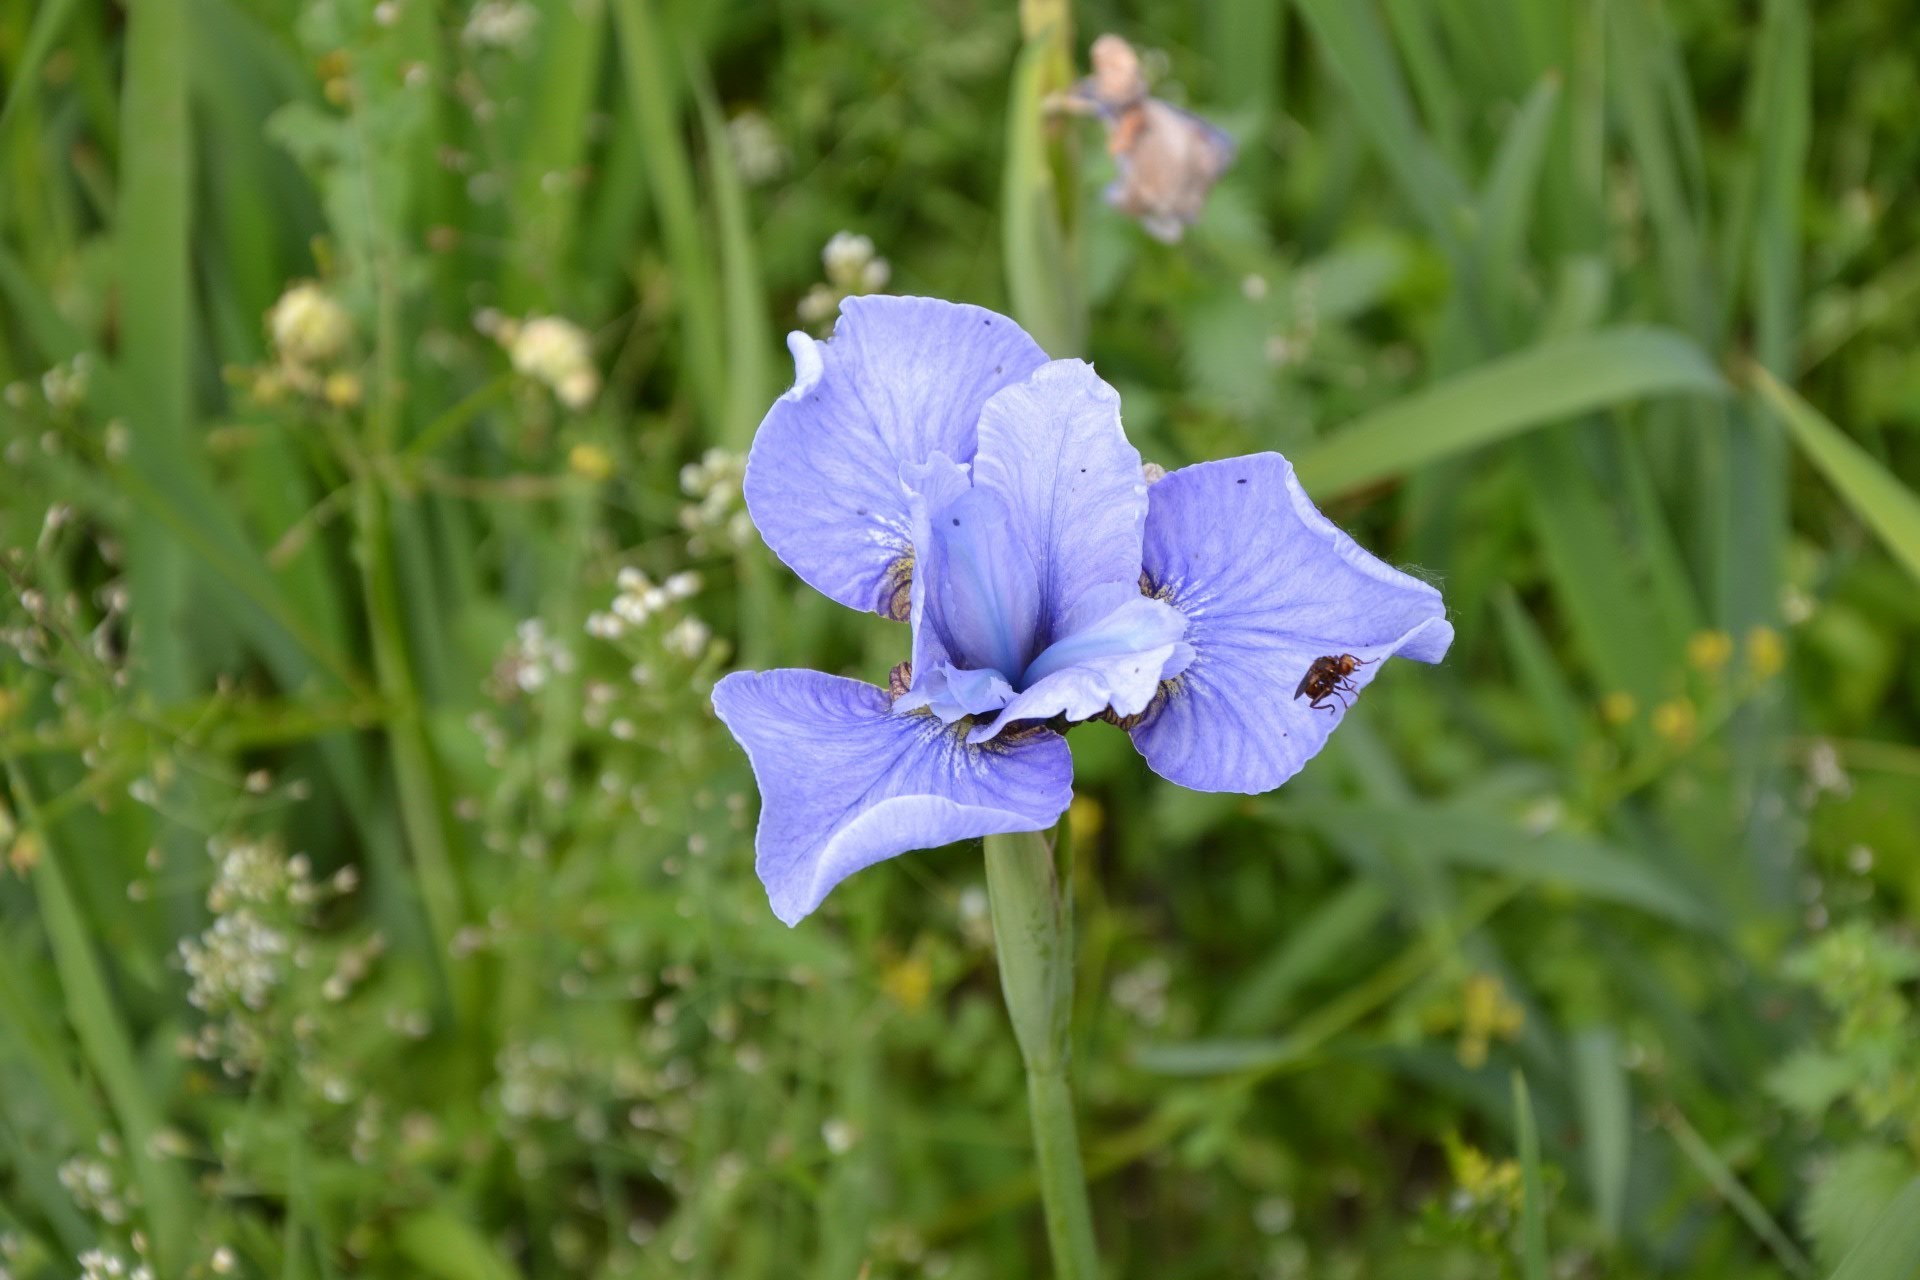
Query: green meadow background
[[372, 905]]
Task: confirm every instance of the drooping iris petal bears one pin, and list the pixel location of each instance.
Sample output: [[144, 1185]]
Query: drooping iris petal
[[1267, 584], [901, 379], [1052, 447], [1120, 647], [845, 783]]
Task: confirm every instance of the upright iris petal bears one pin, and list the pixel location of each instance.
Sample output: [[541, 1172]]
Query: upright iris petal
[[985, 593], [901, 379]]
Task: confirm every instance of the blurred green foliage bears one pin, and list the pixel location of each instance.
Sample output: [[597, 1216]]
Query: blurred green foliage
[[377, 892]]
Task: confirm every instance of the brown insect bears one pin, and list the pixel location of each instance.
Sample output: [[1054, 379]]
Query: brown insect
[[1330, 677]]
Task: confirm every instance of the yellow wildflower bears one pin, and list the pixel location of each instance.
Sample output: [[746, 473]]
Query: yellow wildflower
[[1709, 651]]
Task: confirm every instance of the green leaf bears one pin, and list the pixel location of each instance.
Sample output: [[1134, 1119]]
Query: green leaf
[[1891, 1250], [1810, 1080], [1850, 1196], [442, 1245], [1548, 383], [1888, 507]]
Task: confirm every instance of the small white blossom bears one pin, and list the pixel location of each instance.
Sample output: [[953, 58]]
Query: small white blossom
[[500, 24], [758, 153], [308, 327], [558, 353]]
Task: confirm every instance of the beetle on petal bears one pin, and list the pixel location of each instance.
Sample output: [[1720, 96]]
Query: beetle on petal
[[931, 464]]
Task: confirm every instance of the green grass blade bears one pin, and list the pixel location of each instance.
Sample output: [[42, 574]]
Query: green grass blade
[[1891, 1250], [1606, 1123], [1327, 936], [108, 1049], [1888, 507], [1362, 60], [1726, 1183], [1577, 863], [1508, 200], [1548, 383], [151, 241], [1540, 675], [749, 376], [1533, 1205], [48, 23], [650, 84]]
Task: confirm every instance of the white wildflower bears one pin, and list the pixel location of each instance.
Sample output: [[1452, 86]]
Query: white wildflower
[[308, 327], [500, 24], [558, 353], [758, 153]]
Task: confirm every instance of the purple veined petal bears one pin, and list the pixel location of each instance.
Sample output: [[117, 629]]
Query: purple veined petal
[[954, 694], [1053, 448], [901, 379], [1267, 584], [845, 783], [937, 685], [1122, 645], [976, 601]]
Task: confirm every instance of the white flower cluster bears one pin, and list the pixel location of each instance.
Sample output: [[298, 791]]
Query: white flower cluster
[[718, 512], [98, 1264], [555, 352], [65, 385], [758, 153], [257, 874], [639, 601], [235, 963], [308, 326], [500, 24], [533, 658], [312, 334], [89, 1181], [853, 268]]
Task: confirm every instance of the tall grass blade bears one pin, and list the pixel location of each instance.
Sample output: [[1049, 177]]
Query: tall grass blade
[[1533, 1203], [1887, 507], [1606, 1123], [1554, 381]]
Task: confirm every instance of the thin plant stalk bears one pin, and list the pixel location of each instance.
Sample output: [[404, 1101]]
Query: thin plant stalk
[[1033, 936]]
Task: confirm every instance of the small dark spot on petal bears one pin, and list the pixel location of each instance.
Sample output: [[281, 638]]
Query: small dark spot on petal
[[1242, 480], [956, 522], [1083, 471], [999, 368]]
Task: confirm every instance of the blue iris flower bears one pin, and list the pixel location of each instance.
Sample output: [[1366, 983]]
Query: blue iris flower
[[930, 464]]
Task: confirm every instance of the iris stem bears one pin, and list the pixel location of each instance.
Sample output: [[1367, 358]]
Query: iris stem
[[1033, 936]]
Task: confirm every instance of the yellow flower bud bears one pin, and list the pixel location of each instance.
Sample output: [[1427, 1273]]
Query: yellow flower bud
[[590, 461], [1766, 652], [1709, 651], [1676, 721]]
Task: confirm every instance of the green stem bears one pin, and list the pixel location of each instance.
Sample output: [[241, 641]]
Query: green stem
[[1033, 935]]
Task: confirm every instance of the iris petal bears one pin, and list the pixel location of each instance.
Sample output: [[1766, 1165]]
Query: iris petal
[[1121, 647], [1053, 448], [1268, 585], [901, 379], [845, 783]]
